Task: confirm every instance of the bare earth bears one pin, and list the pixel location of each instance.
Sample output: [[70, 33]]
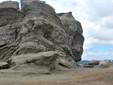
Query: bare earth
[[80, 76]]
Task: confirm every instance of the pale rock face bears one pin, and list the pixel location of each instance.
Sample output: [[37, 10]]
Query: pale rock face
[[38, 29]]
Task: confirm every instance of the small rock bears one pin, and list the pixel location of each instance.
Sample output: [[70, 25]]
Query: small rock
[[88, 66], [4, 65], [94, 62], [104, 64]]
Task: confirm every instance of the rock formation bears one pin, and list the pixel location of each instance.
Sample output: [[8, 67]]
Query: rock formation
[[36, 34], [74, 30]]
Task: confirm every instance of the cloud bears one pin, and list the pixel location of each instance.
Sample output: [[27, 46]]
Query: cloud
[[4, 0], [63, 5], [98, 24], [107, 22], [97, 55], [97, 9], [90, 43]]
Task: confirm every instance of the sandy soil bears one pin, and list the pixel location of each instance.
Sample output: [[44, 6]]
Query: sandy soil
[[80, 76]]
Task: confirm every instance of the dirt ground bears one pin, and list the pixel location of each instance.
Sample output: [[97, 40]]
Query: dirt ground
[[79, 76]]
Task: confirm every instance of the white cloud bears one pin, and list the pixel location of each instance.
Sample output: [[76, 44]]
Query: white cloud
[[97, 55], [97, 9], [92, 42], [98, 25], [107, 22], [4, 0]]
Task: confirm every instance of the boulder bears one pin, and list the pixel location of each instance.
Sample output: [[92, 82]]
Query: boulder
[[4, 65], [104, 64], [43, 55], [88, 66], [18, 60], [65, 63], [93, 62]]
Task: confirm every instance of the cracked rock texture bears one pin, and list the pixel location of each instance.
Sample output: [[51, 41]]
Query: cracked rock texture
[[38, 33]]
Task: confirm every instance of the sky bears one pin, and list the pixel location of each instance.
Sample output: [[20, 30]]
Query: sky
[[96, 17]]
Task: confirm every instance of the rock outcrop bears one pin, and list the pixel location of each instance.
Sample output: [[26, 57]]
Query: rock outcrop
[[74, 30], [104, 64], [10, 22], [91, 64], [36, 34]]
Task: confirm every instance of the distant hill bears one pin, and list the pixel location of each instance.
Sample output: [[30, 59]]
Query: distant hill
[[83, 62]]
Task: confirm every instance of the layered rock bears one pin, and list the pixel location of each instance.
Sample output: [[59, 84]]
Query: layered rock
[[10, 22], [36, 31]]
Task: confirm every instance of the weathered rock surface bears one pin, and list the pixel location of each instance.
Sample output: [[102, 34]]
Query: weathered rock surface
[[74, 30], [46, 59], [10, 22], [49, 59], [9, 4], [34, 34]]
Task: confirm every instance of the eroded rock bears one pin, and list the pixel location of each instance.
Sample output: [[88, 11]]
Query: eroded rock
[[74, 30], [9, 4], [10, 23], [43, 59], [33, 35]]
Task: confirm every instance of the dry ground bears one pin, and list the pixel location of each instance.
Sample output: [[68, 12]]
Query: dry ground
[[80, 76]]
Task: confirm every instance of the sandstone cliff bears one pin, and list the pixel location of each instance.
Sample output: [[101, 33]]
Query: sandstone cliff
[[36, 34]]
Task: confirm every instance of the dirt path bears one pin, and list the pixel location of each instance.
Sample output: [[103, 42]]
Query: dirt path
[[79, 76]]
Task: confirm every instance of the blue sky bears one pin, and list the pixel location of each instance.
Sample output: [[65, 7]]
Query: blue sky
[[96, 17]]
